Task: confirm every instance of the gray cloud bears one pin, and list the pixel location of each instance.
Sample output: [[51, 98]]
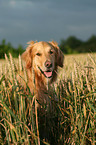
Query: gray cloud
[[25, 20]]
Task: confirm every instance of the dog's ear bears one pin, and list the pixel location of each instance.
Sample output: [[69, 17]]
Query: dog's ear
[[60, 56], [26, 56]]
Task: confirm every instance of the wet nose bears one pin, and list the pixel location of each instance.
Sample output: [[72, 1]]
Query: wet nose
[[48, 64]]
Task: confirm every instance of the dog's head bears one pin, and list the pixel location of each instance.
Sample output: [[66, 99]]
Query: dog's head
[[44, 58]]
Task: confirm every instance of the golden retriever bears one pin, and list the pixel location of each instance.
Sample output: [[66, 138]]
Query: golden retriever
[[42, 60]]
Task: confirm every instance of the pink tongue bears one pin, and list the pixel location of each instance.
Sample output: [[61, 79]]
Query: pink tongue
[[48, 74]]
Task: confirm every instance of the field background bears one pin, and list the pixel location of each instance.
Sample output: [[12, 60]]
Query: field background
[[74, 120]]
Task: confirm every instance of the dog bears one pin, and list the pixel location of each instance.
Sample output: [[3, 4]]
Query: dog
[[42, 60]]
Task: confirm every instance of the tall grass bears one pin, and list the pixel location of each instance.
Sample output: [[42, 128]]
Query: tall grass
[[74, 118]]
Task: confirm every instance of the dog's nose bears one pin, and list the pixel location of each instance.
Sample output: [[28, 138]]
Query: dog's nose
[[48, 64]]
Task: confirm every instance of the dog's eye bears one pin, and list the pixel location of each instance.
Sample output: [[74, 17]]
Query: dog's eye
[[38, 54], [51, 51]]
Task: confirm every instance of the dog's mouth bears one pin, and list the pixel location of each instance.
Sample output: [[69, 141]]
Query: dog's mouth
[[47, 74]]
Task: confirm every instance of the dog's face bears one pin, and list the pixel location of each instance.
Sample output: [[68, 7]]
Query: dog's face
[[43, 57]]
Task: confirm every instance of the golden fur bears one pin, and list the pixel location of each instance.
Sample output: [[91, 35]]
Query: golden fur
[[42, 60]]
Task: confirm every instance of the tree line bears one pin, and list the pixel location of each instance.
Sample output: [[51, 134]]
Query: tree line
[[74, 45], [8, 48], [69, 46]]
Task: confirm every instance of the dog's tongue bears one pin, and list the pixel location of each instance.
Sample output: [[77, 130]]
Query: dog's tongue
[[48, 74]]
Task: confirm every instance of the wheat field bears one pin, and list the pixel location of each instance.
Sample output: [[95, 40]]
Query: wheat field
[[73, 121]]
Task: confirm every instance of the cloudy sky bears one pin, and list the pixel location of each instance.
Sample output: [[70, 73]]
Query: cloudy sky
[[45, 20]]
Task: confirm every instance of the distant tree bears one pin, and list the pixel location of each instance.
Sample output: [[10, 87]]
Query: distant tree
[[92, 39], [20, 49], [3, 48], [1, 52], [73, 42], [62, 45], [90, 44], [3, 42], [70, 45], [8, 48]]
